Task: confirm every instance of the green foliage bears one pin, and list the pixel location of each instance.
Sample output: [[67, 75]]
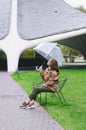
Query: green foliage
[[70, 53], [71, 116], [29, 53], [2, 55], [81, 8]]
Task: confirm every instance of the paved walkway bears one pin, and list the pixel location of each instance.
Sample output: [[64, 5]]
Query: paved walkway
[[12, 117]]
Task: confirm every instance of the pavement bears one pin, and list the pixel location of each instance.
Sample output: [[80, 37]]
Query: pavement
[[12, 117]]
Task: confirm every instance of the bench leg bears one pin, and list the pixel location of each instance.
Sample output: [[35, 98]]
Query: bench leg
[[61, 97], [40, 98], [45, 98]]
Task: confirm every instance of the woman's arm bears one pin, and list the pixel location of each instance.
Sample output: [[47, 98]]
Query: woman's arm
[[52, 79], [41, 72], [54, 76], [48, 83]]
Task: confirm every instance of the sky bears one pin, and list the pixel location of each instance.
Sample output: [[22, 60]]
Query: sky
[[76, 3]]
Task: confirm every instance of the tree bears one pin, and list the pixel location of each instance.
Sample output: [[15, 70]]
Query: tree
[[69, 53], [29, 53], [81, 8], [2, 55]]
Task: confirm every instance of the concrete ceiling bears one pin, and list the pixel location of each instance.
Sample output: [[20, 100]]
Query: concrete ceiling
[[5, 13], [41, 18]]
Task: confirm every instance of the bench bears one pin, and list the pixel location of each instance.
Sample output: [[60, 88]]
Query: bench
[[60, 84]]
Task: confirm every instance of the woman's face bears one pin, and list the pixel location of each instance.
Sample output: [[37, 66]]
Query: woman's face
[[49, 62]]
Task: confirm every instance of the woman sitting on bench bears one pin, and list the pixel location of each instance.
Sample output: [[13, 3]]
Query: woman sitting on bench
[[50, 77]]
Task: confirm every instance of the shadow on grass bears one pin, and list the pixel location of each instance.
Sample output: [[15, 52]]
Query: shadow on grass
[[53, 101]]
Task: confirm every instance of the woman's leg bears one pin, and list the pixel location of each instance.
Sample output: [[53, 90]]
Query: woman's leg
[[37, 90], [33, 95]]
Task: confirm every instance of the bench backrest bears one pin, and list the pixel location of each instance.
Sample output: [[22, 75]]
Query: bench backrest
[[61, 83]]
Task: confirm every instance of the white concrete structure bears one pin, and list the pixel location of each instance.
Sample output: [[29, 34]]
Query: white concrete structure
[[13, 45]]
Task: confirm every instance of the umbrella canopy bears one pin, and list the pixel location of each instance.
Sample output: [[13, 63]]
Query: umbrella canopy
[[50, 50]]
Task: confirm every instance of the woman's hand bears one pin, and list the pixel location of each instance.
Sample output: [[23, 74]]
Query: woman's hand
[[39, 68]]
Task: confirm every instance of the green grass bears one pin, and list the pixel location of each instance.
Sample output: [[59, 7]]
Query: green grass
[[71, 116]]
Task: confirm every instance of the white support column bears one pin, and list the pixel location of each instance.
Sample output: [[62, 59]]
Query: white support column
[[12, 62]]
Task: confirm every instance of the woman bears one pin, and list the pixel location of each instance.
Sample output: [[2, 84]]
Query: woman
[[50, 77]]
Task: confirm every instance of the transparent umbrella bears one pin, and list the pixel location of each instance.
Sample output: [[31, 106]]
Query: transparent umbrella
[[50, 50]]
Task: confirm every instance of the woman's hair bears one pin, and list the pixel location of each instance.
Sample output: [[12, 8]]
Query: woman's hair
[[54, 65]]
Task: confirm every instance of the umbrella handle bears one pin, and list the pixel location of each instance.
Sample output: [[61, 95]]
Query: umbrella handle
[[37, 67]]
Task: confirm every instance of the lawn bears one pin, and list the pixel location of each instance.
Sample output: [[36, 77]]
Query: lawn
[[71, 116]]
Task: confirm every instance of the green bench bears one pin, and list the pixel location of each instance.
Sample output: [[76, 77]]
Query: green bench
[[60, 84]]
